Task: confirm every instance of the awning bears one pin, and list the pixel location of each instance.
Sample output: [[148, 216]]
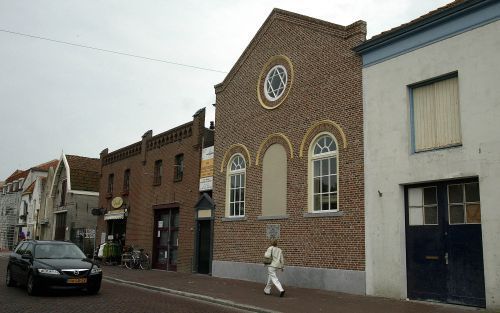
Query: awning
[[114, 215]]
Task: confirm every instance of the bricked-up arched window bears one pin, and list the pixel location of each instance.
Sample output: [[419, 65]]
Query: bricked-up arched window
[[323, 174], [235, 195]]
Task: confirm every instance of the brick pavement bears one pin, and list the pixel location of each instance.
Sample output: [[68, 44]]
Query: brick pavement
[[241, 294]]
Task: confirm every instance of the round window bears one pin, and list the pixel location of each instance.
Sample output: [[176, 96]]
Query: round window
[[275, 83]]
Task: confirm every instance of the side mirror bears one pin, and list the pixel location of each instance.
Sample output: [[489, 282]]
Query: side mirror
[[27, 256]]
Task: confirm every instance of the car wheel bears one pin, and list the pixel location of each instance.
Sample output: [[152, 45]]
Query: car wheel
[[8, 279], [31, 286], [94, 288]]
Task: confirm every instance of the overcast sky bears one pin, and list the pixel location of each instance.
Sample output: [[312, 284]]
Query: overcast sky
[[56, 97]]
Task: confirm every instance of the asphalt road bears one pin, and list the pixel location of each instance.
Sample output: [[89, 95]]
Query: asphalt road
[[112, 298]]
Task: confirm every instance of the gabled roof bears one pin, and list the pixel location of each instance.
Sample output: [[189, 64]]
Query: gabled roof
[[84, 172], [30, 188], [304, 21], [18, 174], [44, 167], [205, 202]]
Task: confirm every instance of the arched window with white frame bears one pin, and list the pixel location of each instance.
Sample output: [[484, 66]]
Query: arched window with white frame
[[236, 186], [323, 174]]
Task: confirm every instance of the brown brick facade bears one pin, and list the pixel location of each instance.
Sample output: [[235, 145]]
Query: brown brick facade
[[144, 196], [325, 95]]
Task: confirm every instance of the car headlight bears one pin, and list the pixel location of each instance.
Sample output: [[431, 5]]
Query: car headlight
[[49, 272], [95, 270]]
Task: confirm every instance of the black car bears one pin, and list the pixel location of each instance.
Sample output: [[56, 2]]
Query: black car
[[52, 264]]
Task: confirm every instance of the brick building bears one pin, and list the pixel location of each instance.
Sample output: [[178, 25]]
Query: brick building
[[149, 190], [289, 155]]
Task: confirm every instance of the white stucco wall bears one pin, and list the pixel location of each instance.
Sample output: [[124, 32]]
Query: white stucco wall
[[389, 164]]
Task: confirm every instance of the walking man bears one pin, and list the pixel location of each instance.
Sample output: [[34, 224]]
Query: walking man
[[277, 262]]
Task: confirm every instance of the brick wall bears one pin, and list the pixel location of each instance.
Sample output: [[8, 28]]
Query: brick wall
[[143, 194], [326, 86]]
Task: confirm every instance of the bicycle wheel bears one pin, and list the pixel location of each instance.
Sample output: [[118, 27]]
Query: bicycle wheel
[[144, 262], [128, 263]]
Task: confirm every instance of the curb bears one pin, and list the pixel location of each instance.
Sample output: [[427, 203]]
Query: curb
[[195, 296]]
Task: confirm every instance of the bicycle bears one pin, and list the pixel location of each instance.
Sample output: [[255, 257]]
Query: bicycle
[[136, 259]]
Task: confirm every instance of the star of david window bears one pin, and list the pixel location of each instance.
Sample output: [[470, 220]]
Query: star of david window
[[275, 83]]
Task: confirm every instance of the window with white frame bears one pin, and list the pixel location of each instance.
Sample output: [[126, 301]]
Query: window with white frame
[[324, 174], [236, 186], [275, 82], [435, 115]]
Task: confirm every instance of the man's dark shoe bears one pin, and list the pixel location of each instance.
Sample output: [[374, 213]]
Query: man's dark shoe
[[282, 293]]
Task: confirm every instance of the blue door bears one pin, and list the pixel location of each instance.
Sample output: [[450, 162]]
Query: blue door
[[444, 255]]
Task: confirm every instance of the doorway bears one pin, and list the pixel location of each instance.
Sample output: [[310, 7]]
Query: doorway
[[444, 254], [166, 239], [60, 227], [117, 228], [204, 246]]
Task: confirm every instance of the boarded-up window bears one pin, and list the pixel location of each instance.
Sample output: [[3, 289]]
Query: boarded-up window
[[274, 181], [436, 116]]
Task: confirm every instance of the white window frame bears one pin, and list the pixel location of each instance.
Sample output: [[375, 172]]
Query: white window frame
[[266, 83], [310, 179], [233, 173]]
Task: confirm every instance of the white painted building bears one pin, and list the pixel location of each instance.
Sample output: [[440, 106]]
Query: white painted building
[[432, 157]]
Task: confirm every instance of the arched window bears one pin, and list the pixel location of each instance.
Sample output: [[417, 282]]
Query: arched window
[[323, 174], [236, 186]]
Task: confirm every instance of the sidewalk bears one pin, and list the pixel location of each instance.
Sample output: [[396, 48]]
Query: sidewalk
[[250, 296]]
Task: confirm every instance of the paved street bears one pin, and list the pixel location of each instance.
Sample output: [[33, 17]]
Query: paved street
[[112, 298], [160, 291]]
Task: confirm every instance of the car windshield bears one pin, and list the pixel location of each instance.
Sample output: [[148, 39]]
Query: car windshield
[[58, 251]]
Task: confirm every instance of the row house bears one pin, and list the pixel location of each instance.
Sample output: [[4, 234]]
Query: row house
[[73, 193], [20, 201], [148, 194], [32, 198], [431, 107], [10, 200], [289, 155]]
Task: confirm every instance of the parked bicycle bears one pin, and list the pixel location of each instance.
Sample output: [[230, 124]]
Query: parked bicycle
[[136, 259]]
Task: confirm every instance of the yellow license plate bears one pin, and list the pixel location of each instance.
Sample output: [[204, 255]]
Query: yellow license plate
[[77, 280]]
